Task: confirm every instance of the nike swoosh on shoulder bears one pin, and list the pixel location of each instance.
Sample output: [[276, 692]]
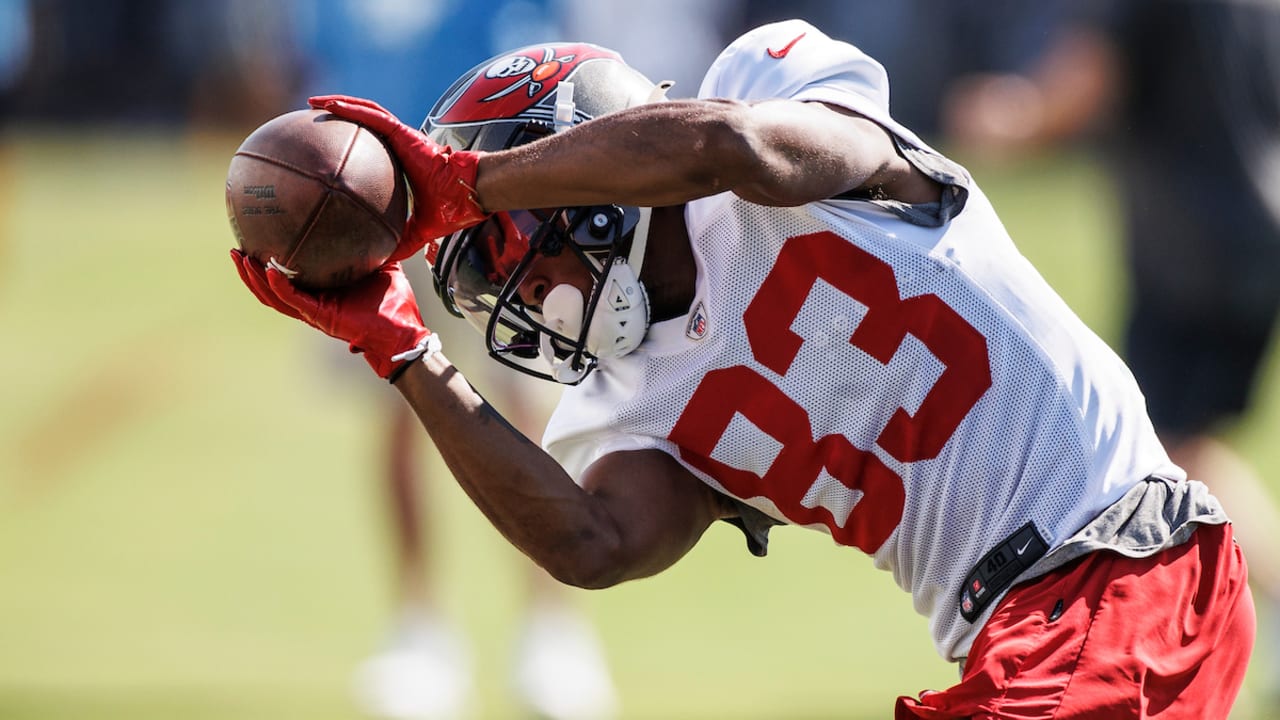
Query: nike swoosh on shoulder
[[782, 52]]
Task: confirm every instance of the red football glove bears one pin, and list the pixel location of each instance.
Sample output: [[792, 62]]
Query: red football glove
[[443, 181], [377, 316]]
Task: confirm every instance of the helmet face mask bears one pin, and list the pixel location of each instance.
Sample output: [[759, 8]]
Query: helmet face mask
[[481, 271], [509, 100]]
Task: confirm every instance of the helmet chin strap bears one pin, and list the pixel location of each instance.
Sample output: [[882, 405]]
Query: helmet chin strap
[[621, 317], [640, 240]]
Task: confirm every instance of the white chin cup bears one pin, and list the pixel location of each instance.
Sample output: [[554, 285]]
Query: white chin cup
[[562, 310]]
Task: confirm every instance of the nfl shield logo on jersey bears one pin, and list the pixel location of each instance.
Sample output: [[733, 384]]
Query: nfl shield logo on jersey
[[697, 327]]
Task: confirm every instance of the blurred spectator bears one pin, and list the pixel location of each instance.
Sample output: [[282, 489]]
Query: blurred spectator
[[404, 55], [245, 67], [155, 62], [645, 34], [15, 48], [1184, 99], [925, 44]]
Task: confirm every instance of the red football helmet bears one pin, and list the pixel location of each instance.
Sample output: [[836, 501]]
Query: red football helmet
[[509, 100]]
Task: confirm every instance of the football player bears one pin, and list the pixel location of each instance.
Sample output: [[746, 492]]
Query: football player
[[774, 304]]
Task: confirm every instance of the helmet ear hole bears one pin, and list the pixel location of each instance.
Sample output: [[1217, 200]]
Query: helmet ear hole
[[600, 225]]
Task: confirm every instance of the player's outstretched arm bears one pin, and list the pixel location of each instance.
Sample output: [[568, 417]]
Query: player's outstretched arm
[[636, 514], [640, 511], [775, 152]]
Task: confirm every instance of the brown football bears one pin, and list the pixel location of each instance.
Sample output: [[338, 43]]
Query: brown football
[[321, 195]]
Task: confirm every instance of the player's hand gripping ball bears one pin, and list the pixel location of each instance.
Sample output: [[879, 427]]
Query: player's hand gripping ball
[[320, 195]]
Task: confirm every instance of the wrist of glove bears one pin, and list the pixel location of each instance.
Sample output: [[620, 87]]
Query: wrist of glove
[[377, 316], [441, 179], [428, 346]]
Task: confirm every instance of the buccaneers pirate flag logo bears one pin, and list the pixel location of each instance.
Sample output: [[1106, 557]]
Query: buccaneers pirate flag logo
[[519, 84]]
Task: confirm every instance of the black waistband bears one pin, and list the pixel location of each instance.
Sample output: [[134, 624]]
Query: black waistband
[[997, 569]]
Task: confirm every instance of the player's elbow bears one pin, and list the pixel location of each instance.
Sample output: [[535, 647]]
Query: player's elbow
[[597, 558], [722, 150], [598, 579], [588, 566], [759, 170], [598, 565]]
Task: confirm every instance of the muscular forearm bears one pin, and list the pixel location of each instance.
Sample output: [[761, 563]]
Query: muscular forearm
[[520, 489], [641, 511], [663, 161]]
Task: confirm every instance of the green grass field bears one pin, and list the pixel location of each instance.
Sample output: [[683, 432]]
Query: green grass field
[[189, 518]]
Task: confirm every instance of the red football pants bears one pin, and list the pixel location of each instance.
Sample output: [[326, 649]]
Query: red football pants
[[1107, 636]]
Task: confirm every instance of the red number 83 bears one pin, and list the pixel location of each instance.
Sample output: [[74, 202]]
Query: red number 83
[[735, 390]]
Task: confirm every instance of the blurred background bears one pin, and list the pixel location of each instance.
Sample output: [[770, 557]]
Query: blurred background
[[192, 519]]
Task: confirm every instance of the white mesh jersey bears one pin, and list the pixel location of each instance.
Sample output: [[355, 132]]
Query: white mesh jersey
[[916, 392]]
